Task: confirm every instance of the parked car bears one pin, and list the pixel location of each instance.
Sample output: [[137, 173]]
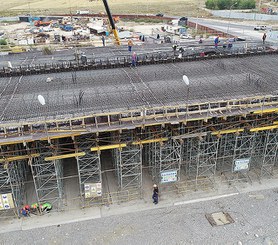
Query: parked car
[[159, 15], [258, 28], [186, 36]]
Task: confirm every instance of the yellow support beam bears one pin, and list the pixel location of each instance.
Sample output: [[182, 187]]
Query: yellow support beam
[[18, 158], [275, 122], [142, 142], [59, 136], [78, 154], [227, 131], [263, 128], [108, 147], [197, 119], [66, 130], [266, 111], [15, 142]]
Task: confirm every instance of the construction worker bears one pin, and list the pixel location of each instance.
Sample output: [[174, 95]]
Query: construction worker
[[23, 212], [133, 59], [264, 37], [34, 207], [103, 40], [129, 44], [155, 194], [216, 41], [27, 208], [46, 207]]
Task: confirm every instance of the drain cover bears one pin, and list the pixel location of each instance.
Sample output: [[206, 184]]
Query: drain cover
[[219, 218]]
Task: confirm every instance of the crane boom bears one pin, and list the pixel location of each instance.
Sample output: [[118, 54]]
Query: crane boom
[[115, 32]]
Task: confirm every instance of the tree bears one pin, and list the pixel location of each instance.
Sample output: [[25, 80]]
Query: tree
[[227, 4], [211, 4], [3, 42]]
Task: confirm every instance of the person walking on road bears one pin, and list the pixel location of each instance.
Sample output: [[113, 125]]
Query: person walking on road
[[155, 194], [264, 37]]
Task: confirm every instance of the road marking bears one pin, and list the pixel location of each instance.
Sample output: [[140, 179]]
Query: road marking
[[205, 199]]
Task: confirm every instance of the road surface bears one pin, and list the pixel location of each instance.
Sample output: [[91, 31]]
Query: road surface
[[255, 215]]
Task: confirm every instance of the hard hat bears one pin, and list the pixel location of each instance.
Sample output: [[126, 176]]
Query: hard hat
[[154, 185]]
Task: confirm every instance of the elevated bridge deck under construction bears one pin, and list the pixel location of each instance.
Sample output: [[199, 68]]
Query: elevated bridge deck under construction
[[124, 126]]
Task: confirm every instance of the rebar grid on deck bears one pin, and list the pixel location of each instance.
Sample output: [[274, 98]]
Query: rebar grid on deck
[[121, 89]]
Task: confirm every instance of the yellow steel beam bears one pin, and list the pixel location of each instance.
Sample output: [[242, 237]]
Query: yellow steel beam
[[275, 122], [107, 147], [263, 128], [78, 154], [67, 130], [142, 142], [15, 142], [59, 136], [266, 111], [18, 158], [227, 131], [197, 119]]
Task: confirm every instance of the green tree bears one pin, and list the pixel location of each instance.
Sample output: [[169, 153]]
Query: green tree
[[3, 42], [211, 4], [227, 4], [247, 4]]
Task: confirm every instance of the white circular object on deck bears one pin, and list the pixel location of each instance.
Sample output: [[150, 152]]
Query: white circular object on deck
[[41, 99]]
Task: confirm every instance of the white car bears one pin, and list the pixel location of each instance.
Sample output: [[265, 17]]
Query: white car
[[186, 36], [258, 28]]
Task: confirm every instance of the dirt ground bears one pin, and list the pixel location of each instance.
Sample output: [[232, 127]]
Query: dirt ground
[[173, 7]]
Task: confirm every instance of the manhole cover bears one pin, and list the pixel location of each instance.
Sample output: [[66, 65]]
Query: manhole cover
[[219, 218]]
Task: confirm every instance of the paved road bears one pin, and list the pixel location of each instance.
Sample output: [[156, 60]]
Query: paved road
[[240, 30], [255, 215]]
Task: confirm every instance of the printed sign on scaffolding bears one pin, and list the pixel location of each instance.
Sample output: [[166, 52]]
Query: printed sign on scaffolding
[[241, 165], [92, 190], [169, 176], [6, 201]]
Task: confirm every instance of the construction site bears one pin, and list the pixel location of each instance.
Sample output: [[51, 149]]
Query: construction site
[[108, 134], [94, 126]]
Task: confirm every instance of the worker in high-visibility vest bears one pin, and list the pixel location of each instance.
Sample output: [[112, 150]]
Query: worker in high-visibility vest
[[34, 207], [46, 207]]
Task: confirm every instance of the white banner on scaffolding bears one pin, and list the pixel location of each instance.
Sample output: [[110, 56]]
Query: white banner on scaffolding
[[92, 190], [169, 176], [6, 201], [241, 164]]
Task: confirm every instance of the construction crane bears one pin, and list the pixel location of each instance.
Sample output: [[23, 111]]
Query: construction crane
[[115, 32]]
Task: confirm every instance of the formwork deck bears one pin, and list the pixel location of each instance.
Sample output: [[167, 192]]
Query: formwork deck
[[161, 85]]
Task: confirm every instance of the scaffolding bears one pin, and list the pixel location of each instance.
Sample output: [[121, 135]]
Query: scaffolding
[[129, 167], [225, 152], [203, 158], [89, 166], [89, 170], [269, 156], [47, 175], [165, 157], [128, 162]]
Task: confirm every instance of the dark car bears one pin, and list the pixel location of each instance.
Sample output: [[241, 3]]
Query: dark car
[[159, 15]]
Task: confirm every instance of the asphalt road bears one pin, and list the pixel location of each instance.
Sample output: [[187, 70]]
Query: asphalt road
[[240, 30], [255, 215]]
